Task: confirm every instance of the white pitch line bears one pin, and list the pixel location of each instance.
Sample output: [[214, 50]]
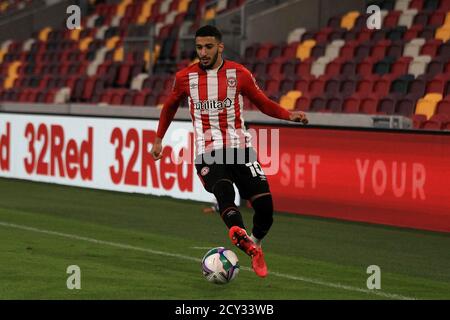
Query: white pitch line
[[180, 256]]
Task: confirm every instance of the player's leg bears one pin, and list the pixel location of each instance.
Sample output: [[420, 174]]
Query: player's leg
[[262, 205], [224, 191], [217, 180], [253, 186]]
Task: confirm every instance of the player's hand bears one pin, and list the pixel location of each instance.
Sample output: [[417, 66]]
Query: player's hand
[[298, 116], [157, 149]]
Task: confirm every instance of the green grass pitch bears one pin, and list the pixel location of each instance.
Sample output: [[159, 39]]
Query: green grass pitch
[[131, 246]]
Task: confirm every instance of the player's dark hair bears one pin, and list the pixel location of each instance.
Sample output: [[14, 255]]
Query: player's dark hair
[[209, 31]]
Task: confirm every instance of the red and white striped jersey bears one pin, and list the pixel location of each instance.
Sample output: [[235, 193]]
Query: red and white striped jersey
[[215, 98]]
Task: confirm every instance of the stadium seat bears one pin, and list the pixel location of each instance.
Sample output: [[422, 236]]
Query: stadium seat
[[369, 105], [443, 33], [303, 103], [383, 66], [443, 107], [437, 84], [400, 66], [427, 105], [406, 106], [412, 48], [407, 18], [348, 20], [382, 85], [401, 84], [386, 105], [351, 105], [289, 100], [348, 86], [335, 104], [431, 47], [436, 122], [418, 65], [436, 66], [318, 103], [418, 120], [304, 49]]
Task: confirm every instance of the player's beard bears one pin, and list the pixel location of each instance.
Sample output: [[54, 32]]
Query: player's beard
[[213, 62]]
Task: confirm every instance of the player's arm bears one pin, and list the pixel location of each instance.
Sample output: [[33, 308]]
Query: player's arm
[[168, 112], [263, 103]]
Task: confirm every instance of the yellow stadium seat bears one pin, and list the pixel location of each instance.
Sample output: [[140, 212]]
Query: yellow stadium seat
[[146, 11], [443, 33], [304, 49], [348, 20], [288, 100], [118, 54], [295, 94], [2, 54], [447, 19], [13, 74], [427, 105], [14, 68], [435, 97], [122, 7], [112, 42], [84, 43], [210, 14], [43, 35], [75, 34], [183, 6]]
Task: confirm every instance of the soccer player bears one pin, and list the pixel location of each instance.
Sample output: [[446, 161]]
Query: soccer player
[[224, 155]]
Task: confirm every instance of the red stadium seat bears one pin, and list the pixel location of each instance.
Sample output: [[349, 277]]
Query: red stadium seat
[[303, 103], [431, 47], [369, 105], [351, 105], [443, 107], [391, 20], [437, 85], [405, 107], [335, 104], [380, 49], [316, 86], [381, 86], [318, 103], [348, 86], [437, 17], [417, 86], [386, 105], [332, 86], [302, 85], [416, 4], [418, 120], [400, 66]]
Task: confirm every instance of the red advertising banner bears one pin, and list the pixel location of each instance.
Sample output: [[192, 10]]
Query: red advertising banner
[[391, 178]]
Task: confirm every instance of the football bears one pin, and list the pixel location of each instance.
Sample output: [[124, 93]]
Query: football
[[220, 265]]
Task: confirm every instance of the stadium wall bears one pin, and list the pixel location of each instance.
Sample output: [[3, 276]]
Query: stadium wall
[[393, 177], [390, 177], [99, 153]]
